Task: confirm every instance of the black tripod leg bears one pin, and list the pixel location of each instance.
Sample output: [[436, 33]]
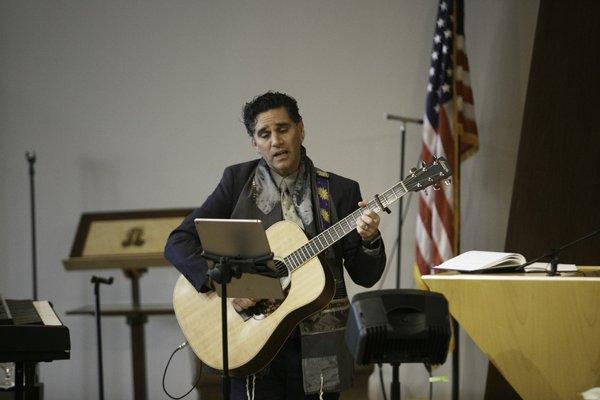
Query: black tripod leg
[[226, 385]]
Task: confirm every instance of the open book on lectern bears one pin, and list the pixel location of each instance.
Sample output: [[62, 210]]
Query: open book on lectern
[[495, 261]]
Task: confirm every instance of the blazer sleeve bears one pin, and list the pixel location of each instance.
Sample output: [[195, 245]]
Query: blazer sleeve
[[364, 269], [183, 248]]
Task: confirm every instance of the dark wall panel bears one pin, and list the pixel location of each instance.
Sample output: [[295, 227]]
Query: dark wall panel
[[556, 195]]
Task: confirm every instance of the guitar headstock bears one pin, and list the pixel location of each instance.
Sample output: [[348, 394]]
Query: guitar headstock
[[428, 175]]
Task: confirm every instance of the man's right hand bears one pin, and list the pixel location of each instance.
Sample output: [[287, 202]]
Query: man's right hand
[[242, 304]]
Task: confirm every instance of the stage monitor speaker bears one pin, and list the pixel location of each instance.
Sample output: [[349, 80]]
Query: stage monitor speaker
[[398, 326]]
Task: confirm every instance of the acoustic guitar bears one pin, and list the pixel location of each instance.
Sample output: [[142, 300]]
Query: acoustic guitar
[[254, 342]]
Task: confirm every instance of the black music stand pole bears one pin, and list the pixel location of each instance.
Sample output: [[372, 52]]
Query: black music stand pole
[[224, 269], [226, 387], [96, 280]]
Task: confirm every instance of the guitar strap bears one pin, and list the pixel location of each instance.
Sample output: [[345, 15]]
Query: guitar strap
[[322, 183], [326, 216], [326, 361]]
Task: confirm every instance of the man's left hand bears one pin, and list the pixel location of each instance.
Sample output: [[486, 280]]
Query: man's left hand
[[367, 224]]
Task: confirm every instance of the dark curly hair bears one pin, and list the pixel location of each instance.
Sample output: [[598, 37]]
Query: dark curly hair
[[265, 102]]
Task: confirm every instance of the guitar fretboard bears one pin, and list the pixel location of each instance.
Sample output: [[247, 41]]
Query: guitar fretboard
[[337, 231]]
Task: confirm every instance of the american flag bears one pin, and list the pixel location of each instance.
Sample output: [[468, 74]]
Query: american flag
[[449, 120]]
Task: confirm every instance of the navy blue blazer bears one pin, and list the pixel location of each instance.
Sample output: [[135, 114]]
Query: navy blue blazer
[[183, 246]]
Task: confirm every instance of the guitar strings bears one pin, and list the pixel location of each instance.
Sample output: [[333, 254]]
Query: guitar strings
[[307, 251]]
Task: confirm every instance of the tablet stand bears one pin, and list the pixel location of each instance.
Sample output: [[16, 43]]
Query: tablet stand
[[224, 269]]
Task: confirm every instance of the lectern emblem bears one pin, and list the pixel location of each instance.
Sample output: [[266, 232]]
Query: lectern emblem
[[134, 237]]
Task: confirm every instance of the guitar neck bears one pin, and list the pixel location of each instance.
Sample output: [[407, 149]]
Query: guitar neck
[[328, 237]]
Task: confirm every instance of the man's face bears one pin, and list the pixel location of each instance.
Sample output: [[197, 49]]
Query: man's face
[[278, 139]]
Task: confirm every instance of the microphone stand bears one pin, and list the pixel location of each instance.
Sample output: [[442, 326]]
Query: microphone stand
[[554, 254], [403, 122], [30, 156], [224, 269], [395, 385], [96, 280]]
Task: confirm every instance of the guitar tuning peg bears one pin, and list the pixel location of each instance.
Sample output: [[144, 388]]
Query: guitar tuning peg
[[448, 181], [413, 171], [435, 160], [423, 164], [436, 187]]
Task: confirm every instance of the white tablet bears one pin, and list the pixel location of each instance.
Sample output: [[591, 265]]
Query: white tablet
[[243, 238]]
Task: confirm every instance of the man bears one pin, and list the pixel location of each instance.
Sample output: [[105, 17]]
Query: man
[[284, 184]]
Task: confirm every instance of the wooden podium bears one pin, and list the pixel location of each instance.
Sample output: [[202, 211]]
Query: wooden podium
[[132, 241], [542, 333]]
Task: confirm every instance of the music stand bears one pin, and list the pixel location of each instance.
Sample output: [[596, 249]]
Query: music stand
[[234, 248]]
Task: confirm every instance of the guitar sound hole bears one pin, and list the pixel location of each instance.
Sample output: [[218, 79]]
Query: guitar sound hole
[[264, 307], [281, 269]]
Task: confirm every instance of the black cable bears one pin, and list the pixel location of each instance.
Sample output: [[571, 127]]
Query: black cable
[[181, 346], [381, 381]]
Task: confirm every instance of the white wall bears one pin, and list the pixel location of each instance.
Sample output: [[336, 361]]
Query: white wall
[[136, 105]]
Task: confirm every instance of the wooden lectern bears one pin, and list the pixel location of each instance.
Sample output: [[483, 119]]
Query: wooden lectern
[[132, 241], [542, 333]]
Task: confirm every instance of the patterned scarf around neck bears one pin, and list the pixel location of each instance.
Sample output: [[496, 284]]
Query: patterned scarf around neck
[[268, 196]]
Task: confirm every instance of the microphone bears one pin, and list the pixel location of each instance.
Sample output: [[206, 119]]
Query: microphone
[[395, 117], [30, 156], [98, 279]]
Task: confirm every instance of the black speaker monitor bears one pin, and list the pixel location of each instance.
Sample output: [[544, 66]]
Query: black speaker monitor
[[399, 326]]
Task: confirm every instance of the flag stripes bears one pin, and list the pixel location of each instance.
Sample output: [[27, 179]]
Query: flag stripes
[[449, 114]]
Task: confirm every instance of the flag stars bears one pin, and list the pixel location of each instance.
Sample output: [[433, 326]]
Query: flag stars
[[444, 6], [440, 23], [437, 39], [434, 55], [449, 72], [445, 49], [431, 71], [445, 88], [429, 87], [447, 33]]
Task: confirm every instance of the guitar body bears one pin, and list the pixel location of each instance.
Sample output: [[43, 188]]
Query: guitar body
[[253, 343]]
